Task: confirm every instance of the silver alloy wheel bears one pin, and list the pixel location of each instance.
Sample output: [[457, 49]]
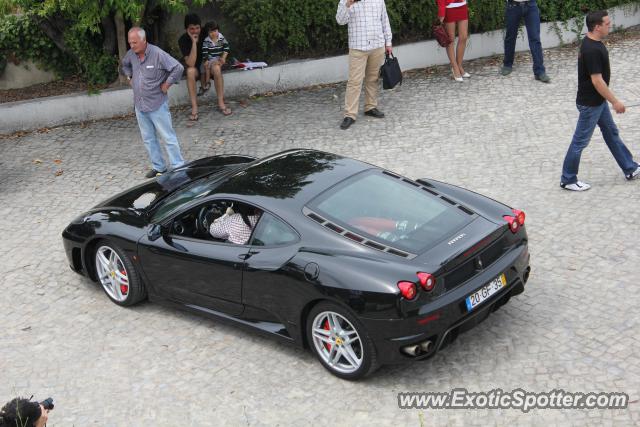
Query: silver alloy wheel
[[337, 342], [112, 273]]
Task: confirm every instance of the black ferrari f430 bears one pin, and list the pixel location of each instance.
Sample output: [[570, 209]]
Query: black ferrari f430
[[360, 264]]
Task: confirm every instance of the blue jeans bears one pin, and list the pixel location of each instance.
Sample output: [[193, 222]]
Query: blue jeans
[[589, 118], [159, 121], [514, 12]]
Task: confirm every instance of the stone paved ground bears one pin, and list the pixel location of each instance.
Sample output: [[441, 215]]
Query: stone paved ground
[[575, 327]]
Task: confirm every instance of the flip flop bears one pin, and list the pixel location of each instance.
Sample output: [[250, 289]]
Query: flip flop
[[225, 111]]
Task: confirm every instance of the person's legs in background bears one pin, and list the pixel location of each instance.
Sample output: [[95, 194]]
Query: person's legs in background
[[532, 22], [218, 82], [192, 78], [611, 136], [357, 66], [375, 58], [463, 36], [513, 14], [161, 119], [151, 143], [205, 74], [451, 51], [587, 121]]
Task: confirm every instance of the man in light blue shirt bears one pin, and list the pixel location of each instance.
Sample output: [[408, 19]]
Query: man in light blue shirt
[[151, 71]]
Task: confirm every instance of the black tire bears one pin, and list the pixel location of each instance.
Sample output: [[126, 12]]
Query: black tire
[[113, 280], [365, 349]]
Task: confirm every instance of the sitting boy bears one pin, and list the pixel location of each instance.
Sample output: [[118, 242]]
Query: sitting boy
[[191, 47], [215, 49]]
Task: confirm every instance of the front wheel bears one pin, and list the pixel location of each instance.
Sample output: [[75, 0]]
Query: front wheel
[[117, 274], [340, 342]]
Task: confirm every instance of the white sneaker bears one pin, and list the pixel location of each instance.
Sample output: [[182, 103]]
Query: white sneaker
[[634, 174], [576, 186]]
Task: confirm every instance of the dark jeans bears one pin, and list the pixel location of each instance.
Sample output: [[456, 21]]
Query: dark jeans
[[589, 118], [514, 12]]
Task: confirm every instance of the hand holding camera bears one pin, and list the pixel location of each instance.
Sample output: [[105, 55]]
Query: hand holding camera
[[46, 405]]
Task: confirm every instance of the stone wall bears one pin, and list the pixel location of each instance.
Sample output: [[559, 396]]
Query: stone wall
[[23, 75]]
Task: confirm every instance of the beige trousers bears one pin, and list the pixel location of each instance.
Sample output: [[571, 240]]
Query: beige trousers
[[363, 65]]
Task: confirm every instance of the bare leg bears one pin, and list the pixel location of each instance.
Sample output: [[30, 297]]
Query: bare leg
[[207, 75], [218, 82], [203, 78], [451, 29], [192, 76], [463, 36]]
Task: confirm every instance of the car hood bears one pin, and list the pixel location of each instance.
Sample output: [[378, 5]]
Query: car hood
[[145, 195]]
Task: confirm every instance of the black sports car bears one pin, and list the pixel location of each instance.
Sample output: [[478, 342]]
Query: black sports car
[[364, 266]]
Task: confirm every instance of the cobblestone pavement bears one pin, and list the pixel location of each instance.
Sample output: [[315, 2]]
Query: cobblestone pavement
[[575, 327]]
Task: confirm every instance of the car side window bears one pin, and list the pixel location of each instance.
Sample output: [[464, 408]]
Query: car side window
[[273, 232], [195, 223]]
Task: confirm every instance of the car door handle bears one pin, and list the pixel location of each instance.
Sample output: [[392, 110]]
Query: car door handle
[[248, 255]]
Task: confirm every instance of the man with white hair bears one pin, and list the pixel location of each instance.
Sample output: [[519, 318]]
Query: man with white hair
[[151, 71]]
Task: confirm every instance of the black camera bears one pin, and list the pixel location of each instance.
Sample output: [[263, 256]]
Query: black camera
[[47, 403]]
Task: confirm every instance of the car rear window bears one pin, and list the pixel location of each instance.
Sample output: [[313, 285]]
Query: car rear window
[[391, 211]]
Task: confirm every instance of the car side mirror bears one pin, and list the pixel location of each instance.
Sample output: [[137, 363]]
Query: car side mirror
[[154, 232]]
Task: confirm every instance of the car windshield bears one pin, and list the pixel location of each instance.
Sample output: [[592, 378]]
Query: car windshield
[[390, 211], [199, 188]]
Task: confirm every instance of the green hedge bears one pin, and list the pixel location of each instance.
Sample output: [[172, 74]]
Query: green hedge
[[271, 30], [281, 29], [22, 40]]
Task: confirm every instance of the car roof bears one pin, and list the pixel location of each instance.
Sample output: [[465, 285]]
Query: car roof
[[286, 181]]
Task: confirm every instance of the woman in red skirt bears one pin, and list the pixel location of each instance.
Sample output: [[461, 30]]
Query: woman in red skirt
[[451, 12]]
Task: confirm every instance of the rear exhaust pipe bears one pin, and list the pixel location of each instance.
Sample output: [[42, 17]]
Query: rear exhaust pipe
[[426, 346], [412, 350]]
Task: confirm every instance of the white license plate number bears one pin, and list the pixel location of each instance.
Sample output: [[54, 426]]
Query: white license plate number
[[485, 292]]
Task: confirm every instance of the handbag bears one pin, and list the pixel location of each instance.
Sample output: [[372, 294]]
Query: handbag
[[390, 72], [441, 34]]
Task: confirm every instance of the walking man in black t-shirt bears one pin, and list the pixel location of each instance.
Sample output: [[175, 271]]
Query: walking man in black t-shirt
[[593, 93], [190, 44]]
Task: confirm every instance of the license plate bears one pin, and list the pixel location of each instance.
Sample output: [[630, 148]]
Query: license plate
[[482, 294]]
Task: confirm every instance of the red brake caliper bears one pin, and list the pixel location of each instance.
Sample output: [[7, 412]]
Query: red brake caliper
[[326, 328], [124, 288]]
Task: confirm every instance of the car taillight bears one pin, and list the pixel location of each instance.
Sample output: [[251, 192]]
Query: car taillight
[[427, 280], [515, 222], [520, 216], [408, 289]]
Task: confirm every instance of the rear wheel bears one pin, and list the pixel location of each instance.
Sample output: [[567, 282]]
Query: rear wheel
[[117, 274], [340, 342]]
